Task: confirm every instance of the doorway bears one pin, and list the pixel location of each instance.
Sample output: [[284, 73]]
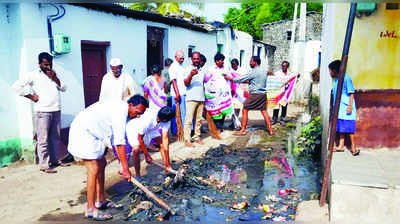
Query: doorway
[[155, 48], [94, 67]]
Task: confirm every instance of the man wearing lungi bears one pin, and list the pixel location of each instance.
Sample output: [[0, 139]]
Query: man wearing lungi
[[257, 99], [102, 120]]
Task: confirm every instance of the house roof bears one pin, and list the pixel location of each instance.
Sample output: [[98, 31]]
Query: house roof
[[154, 17], [265, 44], [284, 21]]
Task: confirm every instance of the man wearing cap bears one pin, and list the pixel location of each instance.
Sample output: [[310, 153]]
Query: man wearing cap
[[117, 85]]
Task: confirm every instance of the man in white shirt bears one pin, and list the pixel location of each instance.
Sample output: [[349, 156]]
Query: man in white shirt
[[100, 121], [194, 82], [283, 72], [117, 85], [43, 87], [178, 92], [151, 126]]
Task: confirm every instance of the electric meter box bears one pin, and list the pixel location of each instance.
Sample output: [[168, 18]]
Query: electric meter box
[[62, 43], [366, 7]]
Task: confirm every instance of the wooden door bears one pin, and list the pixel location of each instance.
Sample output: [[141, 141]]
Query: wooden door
[[155, 38], [94, 67]]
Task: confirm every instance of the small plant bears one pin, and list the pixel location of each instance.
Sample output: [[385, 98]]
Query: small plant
[[309, 141]]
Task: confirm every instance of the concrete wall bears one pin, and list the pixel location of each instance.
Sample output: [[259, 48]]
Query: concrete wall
[[325, 79], [373, 60], [373, 67], [276, 34], [25, 36]]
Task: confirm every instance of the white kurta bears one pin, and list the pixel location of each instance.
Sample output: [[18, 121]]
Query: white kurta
[[121, 88], [177, 72], [100, 121], [146, 125], [36, 82]]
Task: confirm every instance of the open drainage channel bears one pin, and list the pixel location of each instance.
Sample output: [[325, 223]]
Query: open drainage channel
[[249, 184]]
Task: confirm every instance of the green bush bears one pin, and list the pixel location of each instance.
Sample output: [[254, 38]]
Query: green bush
[[309, 141]]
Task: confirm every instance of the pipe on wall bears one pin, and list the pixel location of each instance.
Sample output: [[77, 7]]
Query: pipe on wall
[[50, 19]]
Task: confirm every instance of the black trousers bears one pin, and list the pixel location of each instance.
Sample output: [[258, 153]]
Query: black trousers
[[276, 113]]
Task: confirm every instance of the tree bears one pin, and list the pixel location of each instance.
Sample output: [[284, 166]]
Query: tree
[[163, 8], [251, 16]]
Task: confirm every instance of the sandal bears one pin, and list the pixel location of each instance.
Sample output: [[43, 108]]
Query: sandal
[[108, 204], [97, 215], [48, 170], [338, 150], [356, 153]]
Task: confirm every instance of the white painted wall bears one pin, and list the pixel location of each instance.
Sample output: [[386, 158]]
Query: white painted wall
[[325, 79], [27, 37], [244, 41]]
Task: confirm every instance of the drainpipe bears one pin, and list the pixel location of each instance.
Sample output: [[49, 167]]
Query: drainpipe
[[50, 19], [332, 125]]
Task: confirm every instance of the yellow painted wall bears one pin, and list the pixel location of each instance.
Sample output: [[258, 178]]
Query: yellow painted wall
[[374, 60]]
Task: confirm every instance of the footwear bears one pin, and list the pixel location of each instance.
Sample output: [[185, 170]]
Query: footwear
[[274, 121], [335, 149], [48, 170], [188, 144], [98, 215], [60, 163], [108, 204], [356, 153], [284, 119], [281, 122]]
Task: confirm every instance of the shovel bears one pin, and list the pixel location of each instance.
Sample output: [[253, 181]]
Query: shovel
[[152, 195], [179, 175]]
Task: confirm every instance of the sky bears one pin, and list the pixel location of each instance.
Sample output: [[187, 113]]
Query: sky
[[212, 11]]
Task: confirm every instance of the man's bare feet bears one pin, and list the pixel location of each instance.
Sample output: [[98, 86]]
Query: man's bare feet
[[338, 149], [240, 133]]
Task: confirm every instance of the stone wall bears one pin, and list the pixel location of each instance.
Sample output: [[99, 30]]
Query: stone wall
[[276, 34]]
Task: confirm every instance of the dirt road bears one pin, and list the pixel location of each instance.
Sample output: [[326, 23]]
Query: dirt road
[[30, 195]]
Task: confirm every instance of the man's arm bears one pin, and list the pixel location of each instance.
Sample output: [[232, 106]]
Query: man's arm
[[144, 149], [121, 152], [20, 87], [175, 86], [165, 140], [243, 78], [188, 80], [53, 76], [350, 106]]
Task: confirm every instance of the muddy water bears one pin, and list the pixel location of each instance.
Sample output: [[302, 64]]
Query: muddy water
[[248, 184]]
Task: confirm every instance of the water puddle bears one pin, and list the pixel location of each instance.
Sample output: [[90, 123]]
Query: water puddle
[[249, 184]]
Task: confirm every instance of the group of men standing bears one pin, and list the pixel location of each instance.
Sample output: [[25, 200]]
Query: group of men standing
[[120, 119]]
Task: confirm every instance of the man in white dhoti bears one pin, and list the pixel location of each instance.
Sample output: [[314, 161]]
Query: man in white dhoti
[[100, 121]]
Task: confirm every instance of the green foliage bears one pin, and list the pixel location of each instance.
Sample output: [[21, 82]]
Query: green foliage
[[251, 16], [162, 8], [309, 141], [315, 101]]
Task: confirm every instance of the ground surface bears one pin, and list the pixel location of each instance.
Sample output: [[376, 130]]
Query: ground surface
[[30, 195]]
